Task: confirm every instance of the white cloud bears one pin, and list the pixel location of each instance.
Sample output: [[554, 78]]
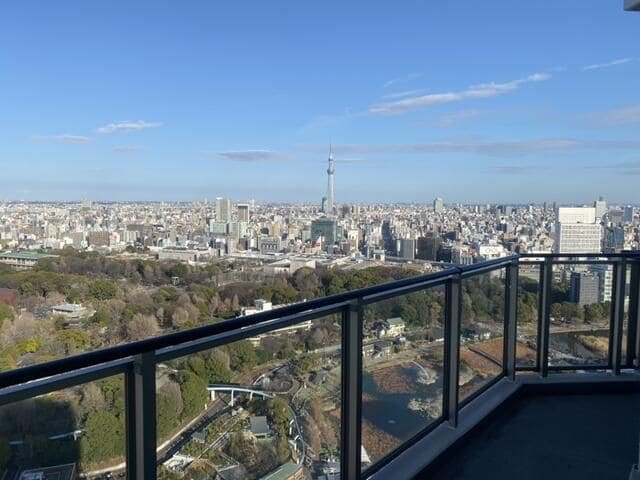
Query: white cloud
[[127, 148], [483, 90], [128, 126], [64, 138], [613, 63], [403, 79], [253, 155], [406, 93], [617, 116], [492, 148]]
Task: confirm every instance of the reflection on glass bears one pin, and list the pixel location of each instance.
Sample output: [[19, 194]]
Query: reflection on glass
[[528, 298], [580, 315], [403, 351], [481, 331], [266, 405], [75, 432]]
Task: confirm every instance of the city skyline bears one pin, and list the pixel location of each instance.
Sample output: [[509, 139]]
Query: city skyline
[[190, 106]]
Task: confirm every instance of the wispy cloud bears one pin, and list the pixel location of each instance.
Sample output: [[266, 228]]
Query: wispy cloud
[[406, 93], [456, 117], [617, 116], [492, 148], [631, 167], [128, 126], [402, 79], [613, 63], [67, 138], [253, 155], [484, 90], [511, 169], [127, 148]]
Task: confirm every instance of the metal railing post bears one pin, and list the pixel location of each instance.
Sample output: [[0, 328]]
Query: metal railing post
[[633, 330], [618, 294], [352, 332], [453, 302], [140, 398], [510, 323], [544, 314]]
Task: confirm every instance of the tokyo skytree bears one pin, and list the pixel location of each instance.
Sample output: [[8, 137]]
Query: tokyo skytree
[[330, 172]]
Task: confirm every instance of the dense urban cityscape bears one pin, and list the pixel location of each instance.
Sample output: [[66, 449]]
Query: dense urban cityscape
[[76, 276]]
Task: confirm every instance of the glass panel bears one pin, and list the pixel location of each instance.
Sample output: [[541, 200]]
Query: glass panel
[[254, 407], [79, 431], [528, 303], [625, 323], [403, 352], [481, 331], [580, 315]]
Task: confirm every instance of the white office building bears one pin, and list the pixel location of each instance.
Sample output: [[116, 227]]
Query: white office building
[[577, 231], [600, 206], [223, 210]]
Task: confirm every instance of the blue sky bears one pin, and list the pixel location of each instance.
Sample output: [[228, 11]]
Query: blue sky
[[495, 101]]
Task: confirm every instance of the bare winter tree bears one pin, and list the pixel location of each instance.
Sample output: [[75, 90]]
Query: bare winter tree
[[142, 326]]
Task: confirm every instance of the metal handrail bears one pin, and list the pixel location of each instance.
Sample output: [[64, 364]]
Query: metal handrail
[[88, 359], [138, 360]]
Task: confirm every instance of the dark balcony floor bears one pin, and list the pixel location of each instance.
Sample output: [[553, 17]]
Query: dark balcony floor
[[550, 436]]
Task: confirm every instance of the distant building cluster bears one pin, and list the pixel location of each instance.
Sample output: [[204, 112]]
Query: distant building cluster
[[286, 238]]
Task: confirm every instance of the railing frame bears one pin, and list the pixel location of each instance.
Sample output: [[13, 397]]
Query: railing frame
[[137, 361]]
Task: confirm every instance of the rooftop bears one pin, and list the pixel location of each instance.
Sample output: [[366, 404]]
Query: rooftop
[[259, 425], [25, 255], [283, 472]]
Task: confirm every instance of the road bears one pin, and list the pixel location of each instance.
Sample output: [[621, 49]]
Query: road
[[212, 413]]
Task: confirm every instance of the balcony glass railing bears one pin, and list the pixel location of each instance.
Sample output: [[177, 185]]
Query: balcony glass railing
[[337, 387]]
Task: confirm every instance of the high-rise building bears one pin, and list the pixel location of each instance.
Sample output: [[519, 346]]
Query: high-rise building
[[613, 239], [223, 210], [330, 172], [605, 274], [577, 231], [243, 212], [585, 288], [601, 208], [428, 247], [615, 217], [325, 229], [99, 238], [408, 248], [438, 205], [628, 214]]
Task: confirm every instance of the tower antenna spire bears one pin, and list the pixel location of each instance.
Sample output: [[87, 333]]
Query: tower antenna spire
[[330, 172]]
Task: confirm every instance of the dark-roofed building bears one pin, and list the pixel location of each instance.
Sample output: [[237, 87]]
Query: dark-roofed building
[[288, 471], [259, 427]]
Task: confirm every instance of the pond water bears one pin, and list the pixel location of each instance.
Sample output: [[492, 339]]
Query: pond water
[[390, 412]]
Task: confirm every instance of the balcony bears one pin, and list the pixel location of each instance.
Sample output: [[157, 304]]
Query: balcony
[[492, 370]]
